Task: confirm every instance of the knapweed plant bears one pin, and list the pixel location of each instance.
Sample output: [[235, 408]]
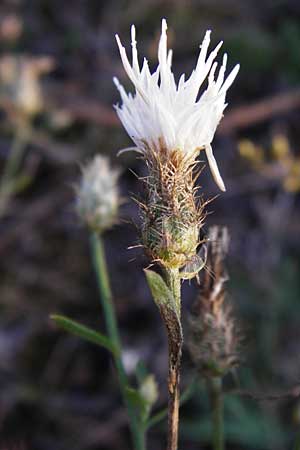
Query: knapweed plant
[[170, 123]]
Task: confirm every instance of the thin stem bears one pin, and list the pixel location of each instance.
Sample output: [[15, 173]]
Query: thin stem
[[173, 281], [175, 346], [215, 385], [12, 164], [136, 427], [185, 396], [297, 442], [15, 156]]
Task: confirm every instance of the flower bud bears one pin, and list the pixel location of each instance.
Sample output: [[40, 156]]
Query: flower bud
[[98, 195], [149, 390], [171, 216]]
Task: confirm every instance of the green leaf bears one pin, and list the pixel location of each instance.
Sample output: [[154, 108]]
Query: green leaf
[[165, 301], [135, 397], [84, 332], [157, 417], [143, 398], [137, 400], [141, 371], [159, 290]]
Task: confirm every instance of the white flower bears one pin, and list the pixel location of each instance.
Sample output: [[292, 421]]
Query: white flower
[[163, 112]]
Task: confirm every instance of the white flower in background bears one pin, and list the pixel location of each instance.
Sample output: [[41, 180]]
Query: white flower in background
[[169, 114], [20, 79], [98, 197]]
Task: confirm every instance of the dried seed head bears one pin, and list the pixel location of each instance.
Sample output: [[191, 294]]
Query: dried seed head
[[98, 195], [171, 217], [214, 338]]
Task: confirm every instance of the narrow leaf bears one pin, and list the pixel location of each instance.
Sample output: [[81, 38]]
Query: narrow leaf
[[136, 399], [165, 301], [141, 372], [159, 290], [84, 332]]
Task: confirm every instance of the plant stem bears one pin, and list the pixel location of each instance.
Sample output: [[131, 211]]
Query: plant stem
[[175, 347], [13, 163], [136, 427], [215, 385], [185, 396], [297, 442], [173, 281]]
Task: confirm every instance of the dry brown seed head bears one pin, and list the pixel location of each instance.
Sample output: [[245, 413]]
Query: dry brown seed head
[[214, 336]]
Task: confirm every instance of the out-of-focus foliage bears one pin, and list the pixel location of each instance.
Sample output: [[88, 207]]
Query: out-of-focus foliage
[[280, 163]]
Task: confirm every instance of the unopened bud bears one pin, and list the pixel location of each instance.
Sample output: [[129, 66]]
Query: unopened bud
[[149, 391], [98, 194]]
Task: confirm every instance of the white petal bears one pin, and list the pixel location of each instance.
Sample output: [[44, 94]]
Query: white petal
[[125, 61], [211, 76], [170, 57], [214, 167], [220, 78], [230, 79], [135, 62], [128, 68], [175, 113]]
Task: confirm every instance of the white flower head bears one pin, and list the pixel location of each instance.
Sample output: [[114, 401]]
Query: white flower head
[[163, 112]]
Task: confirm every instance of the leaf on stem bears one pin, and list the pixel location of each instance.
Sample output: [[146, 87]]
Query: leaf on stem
[[141, 372], [161, 293], [143, 398], [84, 332], [166, 303], [136, 398]]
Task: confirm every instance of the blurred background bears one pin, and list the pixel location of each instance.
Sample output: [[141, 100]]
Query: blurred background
[[56, 67]]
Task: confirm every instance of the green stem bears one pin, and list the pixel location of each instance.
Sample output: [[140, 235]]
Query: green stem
[[297, 442], [175, 347], [215, 385], [12, 164], [173, 281], [136, 427]]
